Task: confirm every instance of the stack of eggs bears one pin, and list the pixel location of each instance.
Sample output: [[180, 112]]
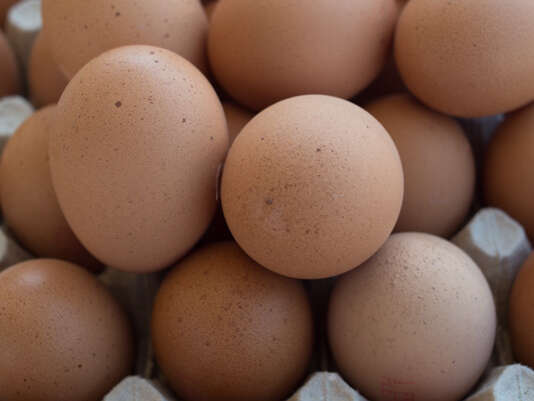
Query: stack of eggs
[[245, 151]]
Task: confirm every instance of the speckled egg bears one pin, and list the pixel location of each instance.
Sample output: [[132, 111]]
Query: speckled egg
[[9, 73], [135, 156], [508, 174], [415, 322], [79, 30], [45, 80], [438, 164], [467, 58], [64, 337], [264, 51], [29, 204], [312, 186], [226, 329]]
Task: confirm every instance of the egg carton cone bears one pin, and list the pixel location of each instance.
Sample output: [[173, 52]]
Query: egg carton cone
[[499, 246], [506, 383], [23, 23], [136, 388], [326, 386], [14, 110]]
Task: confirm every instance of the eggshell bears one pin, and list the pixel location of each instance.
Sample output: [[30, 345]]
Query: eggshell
[[29, 203], [521, 314], [466, 57], [9, 73], [80, 30], [508, 174], [45, 80], [226, 329], [312, 187], [438, 164], [236, 117], [415, 322], [64, 337], [264, 51], [135, 154]]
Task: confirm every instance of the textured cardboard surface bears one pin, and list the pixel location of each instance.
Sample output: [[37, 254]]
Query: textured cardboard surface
[[507, 383]]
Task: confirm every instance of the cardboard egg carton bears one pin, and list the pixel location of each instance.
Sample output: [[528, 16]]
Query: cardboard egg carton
[[13, 111], [23, 23]]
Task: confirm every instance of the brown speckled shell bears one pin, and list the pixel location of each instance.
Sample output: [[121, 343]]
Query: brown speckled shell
[[9, 73], [79, 30], [468, 58], [135, 154], [438, 165], [509, 168], [263, 51], [312, 186], [417, 319], [225, 329], [64, 337], [29, 203], [521, 315], [46, 82]]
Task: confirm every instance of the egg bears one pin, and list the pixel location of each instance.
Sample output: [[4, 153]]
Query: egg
[[135, 154], [29, 203], [9, 73], [64, 337], [415, 322], [467, 58], [508, 175], [264, 51], [226, 329], [438, 164], [79, 30], [46, 81], [312, 187], [236, 117], [521, 313]]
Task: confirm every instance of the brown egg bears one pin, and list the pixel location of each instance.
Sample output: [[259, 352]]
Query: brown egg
[[45, 80], [264, 51], [4, 8], [236, 117], [521, 314], [225, 329], [29, 203], [467, 58], [438, 164], [415, 322], [64, 337], [135, 154], [312, 186], [9, 73], [509, 173], [79, 30]]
